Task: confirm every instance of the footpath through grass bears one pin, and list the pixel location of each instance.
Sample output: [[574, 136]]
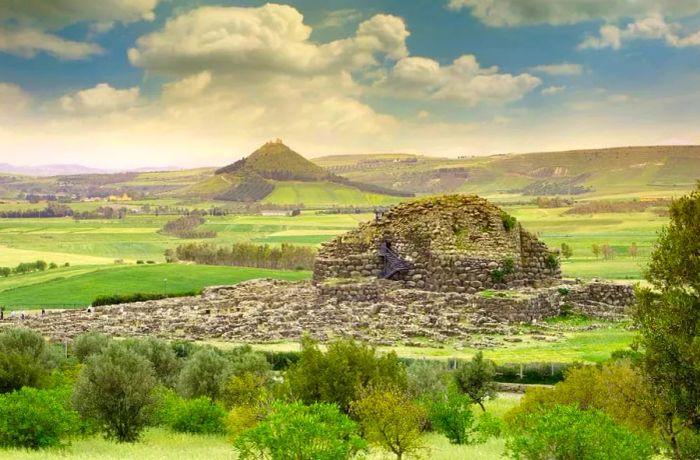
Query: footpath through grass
[[76, 288]]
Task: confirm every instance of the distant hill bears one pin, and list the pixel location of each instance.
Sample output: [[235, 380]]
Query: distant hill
[[71, 169], [613, 172], [274, 170]]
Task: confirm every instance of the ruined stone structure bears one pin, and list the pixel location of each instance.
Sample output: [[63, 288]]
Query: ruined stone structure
[[453, 243], [474, 274]]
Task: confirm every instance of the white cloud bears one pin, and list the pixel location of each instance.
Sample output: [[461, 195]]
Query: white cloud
[[503, 13], [464, 81], [269, 39], [187, 88], [552, 90], [100, 99], [561, 69], [28, 27], [653, 27], [13, 99], [27, 42], [56, 14], [339, 18]]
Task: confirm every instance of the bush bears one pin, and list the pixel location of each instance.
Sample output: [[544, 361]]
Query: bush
[[162, 357], [248, 389], [116, 388], [199, 416], [25, 360], [338, 375], [282, 360], [566, 432], [509, 222], [116, 299], [451, 415], [203, 374], [88, 344], [241, 419], [34, 419], [427, 379], [552, 262], [296, 431]]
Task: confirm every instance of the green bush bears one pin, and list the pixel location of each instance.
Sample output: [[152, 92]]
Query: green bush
[[452, 416], [199, 416], [338, 375], [25, 360], [282, 360], [34, 419], [116, 388], [509, 222], [203, 374], [88, 344], [116, 299], [296, 431], [166, 365], [476, 379], [552, 262], [566, 432], [427, 378]]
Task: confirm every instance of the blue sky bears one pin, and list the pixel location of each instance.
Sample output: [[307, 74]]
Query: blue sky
[[125, 83]]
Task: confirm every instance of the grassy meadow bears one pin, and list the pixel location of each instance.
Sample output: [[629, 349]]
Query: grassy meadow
[[159, 443]]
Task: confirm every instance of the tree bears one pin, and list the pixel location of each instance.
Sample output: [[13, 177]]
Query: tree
[[667, 315], [452, 416], [203, 374], [115, 387], [88, 344], [607, 251], [566, 251], [25, 360], [391, 420], [595, 249], [476, 379], [427, 379], [338, 375], [162, 357], [566, 432], [200, 415], [298, 432]]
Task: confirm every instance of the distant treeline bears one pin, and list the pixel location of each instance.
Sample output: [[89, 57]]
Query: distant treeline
[[116, 299], [553, 202], [284, 257], [27, 267], [186, 227], [595, 207], [52, 210], [105, 212]]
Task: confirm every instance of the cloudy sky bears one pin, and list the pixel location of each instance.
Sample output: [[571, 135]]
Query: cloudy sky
[[124, 83]]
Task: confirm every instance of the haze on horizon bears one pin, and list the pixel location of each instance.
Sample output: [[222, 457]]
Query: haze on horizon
[[132, 83]]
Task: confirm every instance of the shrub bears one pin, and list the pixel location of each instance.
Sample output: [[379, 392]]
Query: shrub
[[115, 388], [391, 420], [476, 379], [282, 360], [566, 432], [203, 374], [427, 379], [247, 389], [199, 416], [88, 344], [338, 375], [162, 357], [452, 416], [552, 262], [296, 431], [509, 221], [242, 418], [245, 360], [139, 262], [25, 360], [34, 419], [116, 299]]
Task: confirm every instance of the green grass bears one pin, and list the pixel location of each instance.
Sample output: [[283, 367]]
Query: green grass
[[158, 443], [325, 194], [81, 289]]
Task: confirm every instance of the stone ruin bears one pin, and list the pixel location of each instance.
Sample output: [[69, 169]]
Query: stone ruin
[[473, 276], [452, 243]]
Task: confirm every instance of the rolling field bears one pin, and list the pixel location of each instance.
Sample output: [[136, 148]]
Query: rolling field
[[72, 288], [325, 194]]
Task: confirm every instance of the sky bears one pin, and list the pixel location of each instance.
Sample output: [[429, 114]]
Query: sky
[[131, 83]]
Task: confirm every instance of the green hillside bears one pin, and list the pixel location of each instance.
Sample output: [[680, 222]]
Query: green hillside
[[325, 194], [602, 173]]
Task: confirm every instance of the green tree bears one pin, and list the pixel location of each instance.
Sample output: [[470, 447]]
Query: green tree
[[203, 374], [476, 379], [88, 344], [667, 315], [452, 416], [338, 375], [35, 419], [116, 388], [391, 420], [162, 357], [566, 432], [566, 251], [25, 360], [298, 432], [427, 379], [595, 249], [200, 415]]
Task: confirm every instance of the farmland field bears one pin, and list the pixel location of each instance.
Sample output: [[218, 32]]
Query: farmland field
[[91, 248]]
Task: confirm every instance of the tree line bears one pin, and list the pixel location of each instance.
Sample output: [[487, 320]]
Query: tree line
[[187, 227], [283, 257], [28, 267]]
